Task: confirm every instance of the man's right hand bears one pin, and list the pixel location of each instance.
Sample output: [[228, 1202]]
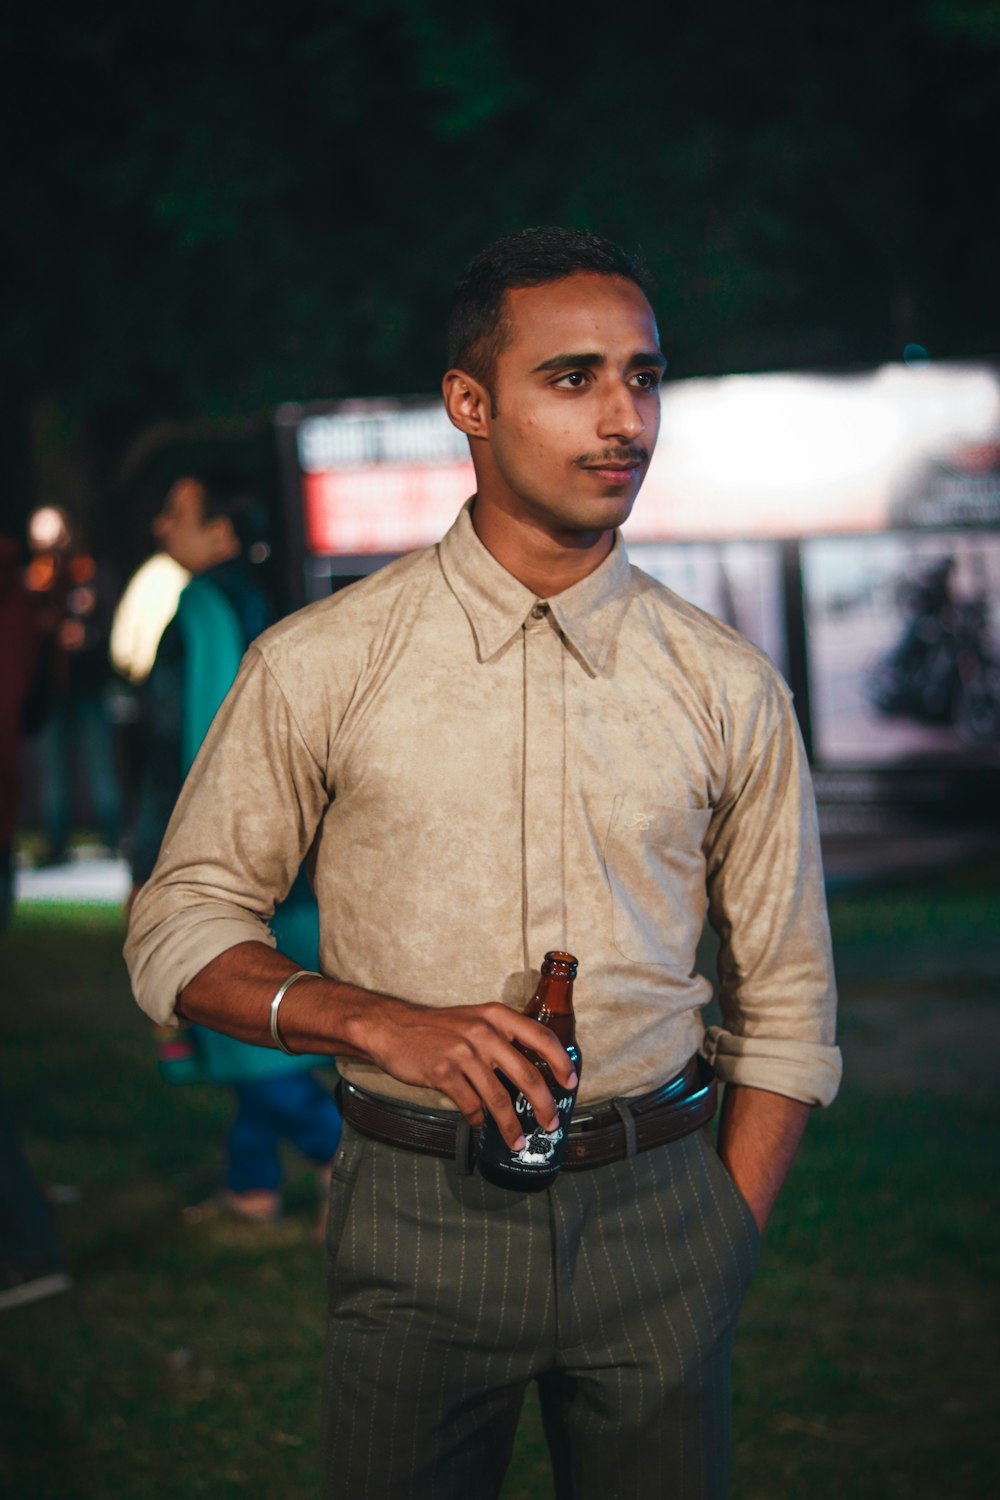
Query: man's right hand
[[457, 1050]]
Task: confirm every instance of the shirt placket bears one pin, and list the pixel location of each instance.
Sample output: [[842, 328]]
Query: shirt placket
[[544, 782]]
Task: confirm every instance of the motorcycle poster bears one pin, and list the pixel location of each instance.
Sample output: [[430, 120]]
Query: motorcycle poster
[[904, 647]]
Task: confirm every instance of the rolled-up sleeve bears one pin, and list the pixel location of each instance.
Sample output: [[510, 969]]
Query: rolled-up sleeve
[[245, 819], [767, 903]]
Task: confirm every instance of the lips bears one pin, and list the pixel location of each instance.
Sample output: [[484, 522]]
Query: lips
[[614, 473]]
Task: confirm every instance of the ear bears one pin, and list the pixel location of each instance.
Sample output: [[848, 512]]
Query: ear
[[467, 403]]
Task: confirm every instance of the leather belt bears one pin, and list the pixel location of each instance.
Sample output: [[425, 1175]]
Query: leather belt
[[600, 1134]]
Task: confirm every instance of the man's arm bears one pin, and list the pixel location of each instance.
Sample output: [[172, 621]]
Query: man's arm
[[759, 1134], [776, 1049], [456, 1050], [248, 813]]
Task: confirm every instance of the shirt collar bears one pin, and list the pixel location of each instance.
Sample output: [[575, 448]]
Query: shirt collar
[[589, 614]]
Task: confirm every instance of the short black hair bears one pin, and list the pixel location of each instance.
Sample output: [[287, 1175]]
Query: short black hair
[[477, 327], [227, 493]]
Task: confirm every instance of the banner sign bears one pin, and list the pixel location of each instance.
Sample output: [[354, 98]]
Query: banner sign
[[381, 477]]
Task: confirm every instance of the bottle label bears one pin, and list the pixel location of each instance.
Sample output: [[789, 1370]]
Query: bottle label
[[540, 1145], [540, 1157]]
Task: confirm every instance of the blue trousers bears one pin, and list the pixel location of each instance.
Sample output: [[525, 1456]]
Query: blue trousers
[[79, 728], [289, 1106]]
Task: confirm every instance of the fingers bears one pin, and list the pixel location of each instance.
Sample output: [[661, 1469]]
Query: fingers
[[498, 1103], [540, 1040], [459, 1052], [521, 1071], [467, 1071], [527, 1079]]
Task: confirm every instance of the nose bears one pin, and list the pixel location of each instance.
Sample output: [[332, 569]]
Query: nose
[[621, 416]]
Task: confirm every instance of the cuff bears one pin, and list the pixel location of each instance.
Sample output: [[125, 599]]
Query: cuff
[[183, 948], [807, 1071]]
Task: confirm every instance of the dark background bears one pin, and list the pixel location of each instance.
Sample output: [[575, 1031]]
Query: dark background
[[213, 208]]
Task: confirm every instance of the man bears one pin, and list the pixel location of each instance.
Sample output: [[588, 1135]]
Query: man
[[207, 524], [508, 743], [31, 1260], [24, 689], [74, 595]]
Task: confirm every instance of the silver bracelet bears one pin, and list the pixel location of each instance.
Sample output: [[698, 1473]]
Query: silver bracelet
[[275, 1033]]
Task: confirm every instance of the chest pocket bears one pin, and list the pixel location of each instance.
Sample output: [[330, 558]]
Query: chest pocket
[[656, 870]]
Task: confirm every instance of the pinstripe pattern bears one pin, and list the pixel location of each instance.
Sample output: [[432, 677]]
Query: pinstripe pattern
[[617, 1289]]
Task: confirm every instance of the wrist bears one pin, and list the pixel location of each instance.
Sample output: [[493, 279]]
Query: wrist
[[296, 977], [372, 1027], [342, 1020], [301, 1013]]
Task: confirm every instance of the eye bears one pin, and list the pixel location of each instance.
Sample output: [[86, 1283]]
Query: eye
[[647, 380], [572, 379]]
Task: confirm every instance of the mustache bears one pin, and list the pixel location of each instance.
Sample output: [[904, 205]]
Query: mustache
[[614, 455]]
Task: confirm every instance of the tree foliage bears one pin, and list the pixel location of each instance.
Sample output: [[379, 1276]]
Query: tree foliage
[[212, 208]]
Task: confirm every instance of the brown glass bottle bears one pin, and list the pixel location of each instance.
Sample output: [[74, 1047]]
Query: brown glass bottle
[[537, 1164]]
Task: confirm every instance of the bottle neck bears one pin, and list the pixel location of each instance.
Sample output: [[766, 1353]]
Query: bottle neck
[[554, 996], [552, 1002], [562, 1025]]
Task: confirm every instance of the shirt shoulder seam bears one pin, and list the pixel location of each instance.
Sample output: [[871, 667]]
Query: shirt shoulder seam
[[273, 675]]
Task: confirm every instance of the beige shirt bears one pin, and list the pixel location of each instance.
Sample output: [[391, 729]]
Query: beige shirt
[[475, 777]]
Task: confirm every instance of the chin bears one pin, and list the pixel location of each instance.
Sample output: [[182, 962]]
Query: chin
[[601, 515]]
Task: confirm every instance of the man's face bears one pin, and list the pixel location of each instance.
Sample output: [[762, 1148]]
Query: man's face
[[181, 531], [576, 404]]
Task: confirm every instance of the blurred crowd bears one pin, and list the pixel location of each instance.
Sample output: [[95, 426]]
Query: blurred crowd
[[105, 697], [83, 753], [56, 616]]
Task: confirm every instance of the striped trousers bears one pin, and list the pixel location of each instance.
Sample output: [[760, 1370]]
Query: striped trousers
[[618, 1289]]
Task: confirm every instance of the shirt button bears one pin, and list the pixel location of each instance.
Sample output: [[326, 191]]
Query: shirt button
[[539, 611]]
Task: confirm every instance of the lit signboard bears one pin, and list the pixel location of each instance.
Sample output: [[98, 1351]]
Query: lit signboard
[[381, 477]]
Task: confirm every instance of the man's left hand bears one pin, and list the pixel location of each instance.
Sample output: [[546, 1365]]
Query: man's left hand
[[759, 1134]]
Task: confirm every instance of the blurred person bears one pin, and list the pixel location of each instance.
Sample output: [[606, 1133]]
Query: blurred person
[[207, 525], [25, 673], [204, 528], [509, 742], [75, 597], [31, 1261]]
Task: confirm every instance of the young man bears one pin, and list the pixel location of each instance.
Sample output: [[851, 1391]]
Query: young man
[[512, 742]]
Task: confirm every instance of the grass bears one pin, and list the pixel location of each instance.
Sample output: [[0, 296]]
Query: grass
[[185, 1362], [861, 1366]]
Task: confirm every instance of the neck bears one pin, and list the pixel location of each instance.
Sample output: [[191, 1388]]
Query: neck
[[216, 562], [546, 561]]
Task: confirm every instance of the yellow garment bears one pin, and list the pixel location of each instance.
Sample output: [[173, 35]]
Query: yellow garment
[[144, 611]]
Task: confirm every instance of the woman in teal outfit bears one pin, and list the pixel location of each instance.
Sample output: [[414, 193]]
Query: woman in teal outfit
[[205, 525]]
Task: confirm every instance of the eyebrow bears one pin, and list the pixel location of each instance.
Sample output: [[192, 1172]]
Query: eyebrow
[[591, 361]]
